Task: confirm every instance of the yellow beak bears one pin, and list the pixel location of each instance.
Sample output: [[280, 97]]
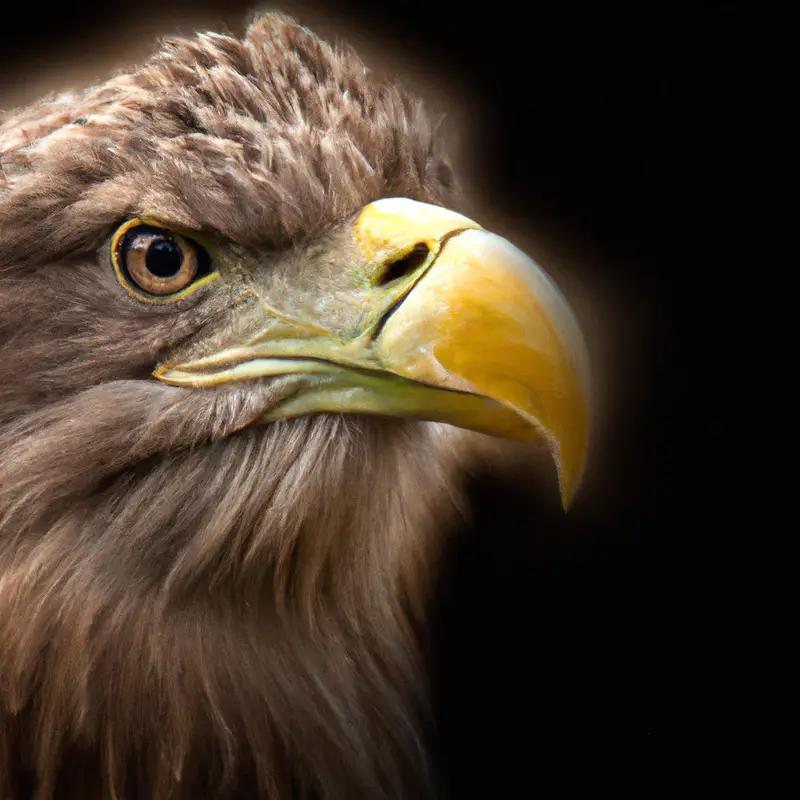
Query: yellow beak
[[475, 334]]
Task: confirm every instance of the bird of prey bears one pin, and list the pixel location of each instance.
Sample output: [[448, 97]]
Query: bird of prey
[[251, 346]]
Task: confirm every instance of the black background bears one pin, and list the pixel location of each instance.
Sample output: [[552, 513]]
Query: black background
[[640, 646]]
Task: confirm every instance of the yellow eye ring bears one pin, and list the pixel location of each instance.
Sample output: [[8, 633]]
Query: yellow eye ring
[[157, 265]]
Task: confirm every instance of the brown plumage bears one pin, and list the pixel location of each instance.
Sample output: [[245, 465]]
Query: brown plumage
[[191, 605]]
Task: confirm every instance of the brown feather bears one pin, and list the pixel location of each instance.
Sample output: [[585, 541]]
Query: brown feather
[[190, 606]]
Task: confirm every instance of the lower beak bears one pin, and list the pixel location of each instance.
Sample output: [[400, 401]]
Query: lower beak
[[477, 335]]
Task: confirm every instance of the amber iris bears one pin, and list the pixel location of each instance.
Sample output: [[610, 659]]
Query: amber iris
[[156, 261]]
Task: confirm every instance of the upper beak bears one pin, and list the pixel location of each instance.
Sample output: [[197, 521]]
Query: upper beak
[[469, 331]]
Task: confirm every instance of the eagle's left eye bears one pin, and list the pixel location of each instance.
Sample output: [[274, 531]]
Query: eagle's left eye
[[156, 263]]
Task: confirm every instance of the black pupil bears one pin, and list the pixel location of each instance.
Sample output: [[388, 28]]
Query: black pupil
[[164, 258]]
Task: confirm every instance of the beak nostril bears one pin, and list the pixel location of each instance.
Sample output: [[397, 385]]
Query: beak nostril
[[406, 264]]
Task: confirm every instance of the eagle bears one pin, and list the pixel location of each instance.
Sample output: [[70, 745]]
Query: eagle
[[252, 347]]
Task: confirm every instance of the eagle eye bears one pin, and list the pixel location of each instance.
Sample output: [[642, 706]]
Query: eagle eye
[[156, 264]]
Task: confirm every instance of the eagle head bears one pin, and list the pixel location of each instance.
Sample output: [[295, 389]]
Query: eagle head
[[250, 345]]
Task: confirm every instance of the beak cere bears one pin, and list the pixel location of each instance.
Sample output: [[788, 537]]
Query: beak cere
[[471, 332]]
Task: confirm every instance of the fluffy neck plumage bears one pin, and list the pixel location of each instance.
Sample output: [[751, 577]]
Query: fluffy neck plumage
[[189, 611]]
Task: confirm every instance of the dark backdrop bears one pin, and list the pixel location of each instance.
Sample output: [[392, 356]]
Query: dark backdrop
[[639, 646]]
